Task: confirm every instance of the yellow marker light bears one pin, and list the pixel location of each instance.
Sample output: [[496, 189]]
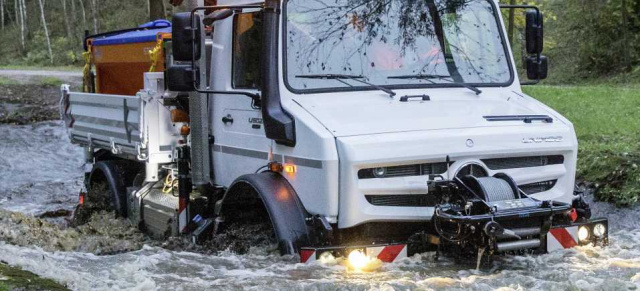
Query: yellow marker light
[[583, 234], [290, 168], [599, 230]]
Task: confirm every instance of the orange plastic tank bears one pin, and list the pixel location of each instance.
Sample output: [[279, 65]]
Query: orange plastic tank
[[122, 58]]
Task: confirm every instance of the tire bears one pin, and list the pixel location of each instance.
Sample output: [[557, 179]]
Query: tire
[[108, 185]]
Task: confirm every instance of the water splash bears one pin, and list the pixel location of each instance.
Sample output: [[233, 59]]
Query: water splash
[[149, 267]]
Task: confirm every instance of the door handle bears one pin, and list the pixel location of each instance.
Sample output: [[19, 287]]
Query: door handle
[[227, 119]]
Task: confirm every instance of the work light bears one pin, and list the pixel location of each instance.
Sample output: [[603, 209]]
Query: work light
[[583, 234], [599, 230]]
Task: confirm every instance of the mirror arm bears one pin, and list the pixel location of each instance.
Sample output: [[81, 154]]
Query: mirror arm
[[254, 96]]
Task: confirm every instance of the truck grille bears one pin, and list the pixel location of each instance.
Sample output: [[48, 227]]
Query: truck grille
[[405, 171], [538, 187], [402, 200], [523, 162]]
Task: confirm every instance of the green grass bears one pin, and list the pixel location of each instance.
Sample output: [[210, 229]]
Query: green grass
[[51, 81], [7, 81], [607, 122], [16, 279]]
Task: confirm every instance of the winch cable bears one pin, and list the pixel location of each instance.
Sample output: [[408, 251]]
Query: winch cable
[[496, 189]]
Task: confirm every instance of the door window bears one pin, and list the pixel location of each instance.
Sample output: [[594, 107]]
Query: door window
[[247, 50]]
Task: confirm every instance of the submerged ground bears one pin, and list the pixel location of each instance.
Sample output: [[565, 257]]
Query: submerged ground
[[41, 173]]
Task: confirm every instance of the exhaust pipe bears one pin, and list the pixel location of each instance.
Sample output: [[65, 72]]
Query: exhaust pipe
[[518, 245]]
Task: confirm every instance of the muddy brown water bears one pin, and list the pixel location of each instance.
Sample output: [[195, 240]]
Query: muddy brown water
[[40, 172]]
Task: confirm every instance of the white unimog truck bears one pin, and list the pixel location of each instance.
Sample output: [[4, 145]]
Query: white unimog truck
[[353, 125]]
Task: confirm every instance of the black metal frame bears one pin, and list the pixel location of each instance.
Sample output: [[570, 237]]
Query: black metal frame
[[254, 96]]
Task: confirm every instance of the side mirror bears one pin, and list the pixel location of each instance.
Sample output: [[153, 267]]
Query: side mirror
[[537, 70], [534, 32], [180, 78], [183, 44]]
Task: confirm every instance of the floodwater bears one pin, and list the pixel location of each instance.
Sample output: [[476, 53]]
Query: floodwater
[[40, 171]]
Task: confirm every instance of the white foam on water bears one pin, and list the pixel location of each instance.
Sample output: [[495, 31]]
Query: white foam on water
[[615, 267], [44, 173]]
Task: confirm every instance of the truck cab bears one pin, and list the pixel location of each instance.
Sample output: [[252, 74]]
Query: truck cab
[[363, 123]]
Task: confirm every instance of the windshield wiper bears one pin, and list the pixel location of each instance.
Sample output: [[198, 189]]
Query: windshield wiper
[[439, 77], [340, 77]]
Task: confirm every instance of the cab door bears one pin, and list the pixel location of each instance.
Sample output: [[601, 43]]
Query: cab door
[[240, 146]]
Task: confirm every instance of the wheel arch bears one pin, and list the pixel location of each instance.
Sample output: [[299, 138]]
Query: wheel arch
[[286, 212]]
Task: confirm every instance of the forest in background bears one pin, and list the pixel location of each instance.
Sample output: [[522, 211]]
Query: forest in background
[[586, 40]]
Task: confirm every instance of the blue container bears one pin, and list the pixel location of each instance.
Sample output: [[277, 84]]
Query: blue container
[[145, 33]]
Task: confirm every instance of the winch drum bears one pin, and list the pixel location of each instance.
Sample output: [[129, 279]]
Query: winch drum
[[500, 187]]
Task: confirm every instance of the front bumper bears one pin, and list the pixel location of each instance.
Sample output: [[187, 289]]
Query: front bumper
[[559, 237]]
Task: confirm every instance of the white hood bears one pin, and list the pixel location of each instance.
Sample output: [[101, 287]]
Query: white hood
[[374, 112]]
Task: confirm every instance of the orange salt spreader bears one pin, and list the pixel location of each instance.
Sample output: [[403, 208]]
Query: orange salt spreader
[[122, 57]]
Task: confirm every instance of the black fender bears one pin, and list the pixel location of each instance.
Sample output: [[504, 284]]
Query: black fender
[[117, 175], [287, 214]]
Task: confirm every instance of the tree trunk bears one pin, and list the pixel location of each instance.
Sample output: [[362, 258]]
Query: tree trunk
[[156, 10], [67, 25], [2, 12], [626, 54], [24, 12], [22, 24], [94, 14], [84, 16], [512, 16], [46, 30]]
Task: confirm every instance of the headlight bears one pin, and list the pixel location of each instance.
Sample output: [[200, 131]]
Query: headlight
[[583, 234], [358, 260], [380, 172], [599, 230]]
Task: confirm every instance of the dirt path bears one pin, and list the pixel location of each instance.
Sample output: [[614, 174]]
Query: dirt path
[[32, 96], [35, 76]]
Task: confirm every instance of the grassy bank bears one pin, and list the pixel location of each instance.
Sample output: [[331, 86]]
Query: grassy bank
[[607, 121], [16, 279]]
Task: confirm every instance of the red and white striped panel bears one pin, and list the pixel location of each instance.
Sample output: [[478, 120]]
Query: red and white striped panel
[[387, 254], [183, 215], [308, 256], [562, 238]]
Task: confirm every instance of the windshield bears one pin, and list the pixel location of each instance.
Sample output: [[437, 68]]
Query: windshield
[[394, 43]]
